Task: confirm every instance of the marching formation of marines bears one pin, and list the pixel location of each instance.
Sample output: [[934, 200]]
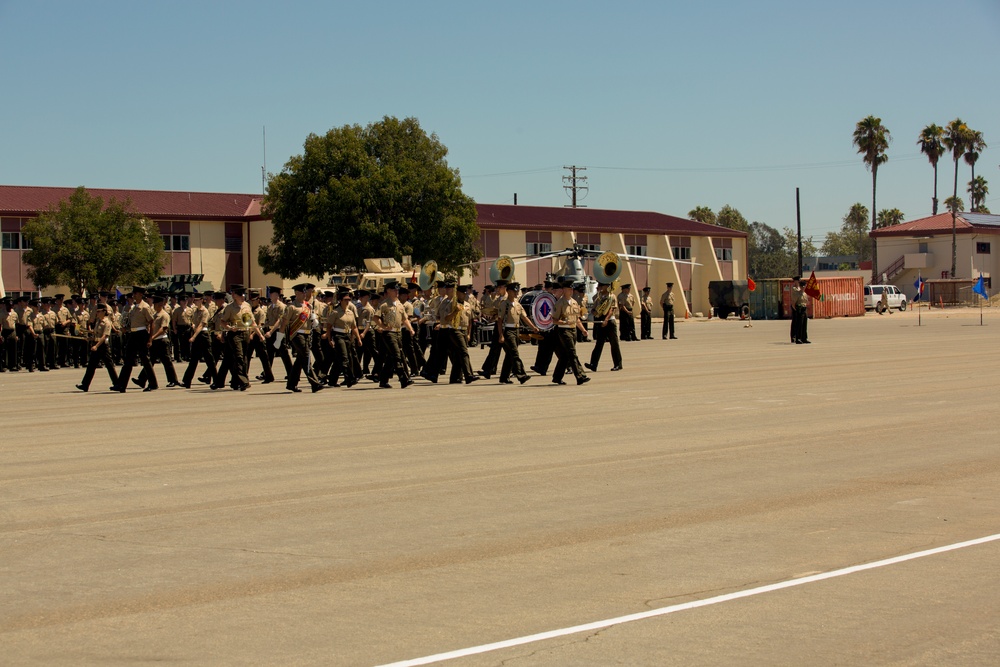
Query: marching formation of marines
[[330, 338]]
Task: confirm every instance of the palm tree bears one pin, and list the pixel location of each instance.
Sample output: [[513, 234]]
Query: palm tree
[[930, 145], [872, 138], [703, 214], [956, 138], [973, 149], [954, 204], [888, 217], [978, 189]]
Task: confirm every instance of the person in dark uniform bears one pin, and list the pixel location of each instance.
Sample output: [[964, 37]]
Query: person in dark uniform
[[667, 303], [276, 346], [159, 345], [626, 313], [237, 322], [342, 334], [800, 315], [510, 317]]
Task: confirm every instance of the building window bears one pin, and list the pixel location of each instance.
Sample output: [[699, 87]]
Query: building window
[[176, 242], [11, 240], [537, 242], [724, 254], [982, 248], [922, 248], [589, 241], [684, 252], [636, 250], [234, 244]]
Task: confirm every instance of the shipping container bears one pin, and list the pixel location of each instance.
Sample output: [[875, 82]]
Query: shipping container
[[765, 300], [839, 297]]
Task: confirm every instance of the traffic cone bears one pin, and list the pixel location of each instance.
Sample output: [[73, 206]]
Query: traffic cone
[[687, 314]]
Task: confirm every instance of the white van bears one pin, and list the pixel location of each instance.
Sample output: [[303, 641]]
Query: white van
[[873, 297]]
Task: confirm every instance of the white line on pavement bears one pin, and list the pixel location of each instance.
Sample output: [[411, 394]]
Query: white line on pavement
[[598, 625]]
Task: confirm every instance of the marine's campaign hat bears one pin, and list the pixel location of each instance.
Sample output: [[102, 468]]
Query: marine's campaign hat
[[363, 292], [301, 287], [46, 300], [390, 284], [59, 296], [514, 286], [272, 289], [670, 284], [646, 288], [627, 286], [462, 288]]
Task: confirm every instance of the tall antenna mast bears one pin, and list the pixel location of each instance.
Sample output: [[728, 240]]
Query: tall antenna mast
[[573, 188], [263, 168]]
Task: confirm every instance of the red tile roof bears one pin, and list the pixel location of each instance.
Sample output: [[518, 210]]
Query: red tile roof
[[556, 219], [160, 204], [935, 224]]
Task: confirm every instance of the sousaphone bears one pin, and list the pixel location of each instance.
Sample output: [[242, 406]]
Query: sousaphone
[[608, 267], [502, 269], [428, 271]]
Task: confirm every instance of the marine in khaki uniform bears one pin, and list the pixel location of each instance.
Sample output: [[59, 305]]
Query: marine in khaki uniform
[[605, 329], [140, 318], [390, 319], [490, 308], [645, 315], [200, 342], [26, 332], [667, 303], [342, 334], [296, 324], [800, 313], [459, 336], [276, 345], [566, 316], [63, 320], [626, 313], [100, 350], [237, 323], [366, 319], [509, 318], [159, 345], [8, 334]]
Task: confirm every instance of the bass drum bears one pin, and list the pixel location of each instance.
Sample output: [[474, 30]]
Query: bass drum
[[539, 306]]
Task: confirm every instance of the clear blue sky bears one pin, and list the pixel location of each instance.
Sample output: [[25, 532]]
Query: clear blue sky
[[669, 105]]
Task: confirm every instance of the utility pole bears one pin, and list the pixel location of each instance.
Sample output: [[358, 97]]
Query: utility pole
[[573, 186]]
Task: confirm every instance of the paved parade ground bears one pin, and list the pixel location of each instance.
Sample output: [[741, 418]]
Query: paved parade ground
[[367, 526]]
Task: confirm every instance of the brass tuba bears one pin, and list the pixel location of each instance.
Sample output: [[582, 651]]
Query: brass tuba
[[502, 269], [428, 273], [607, 267]]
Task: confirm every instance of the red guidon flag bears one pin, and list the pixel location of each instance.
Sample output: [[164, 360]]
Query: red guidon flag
[[812, 286], [751, 284]]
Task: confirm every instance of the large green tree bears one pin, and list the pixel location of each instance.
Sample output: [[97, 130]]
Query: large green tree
[[384, 190], [931, 146], [872, 139], [956, 139], [773, 253], [853, 237], [89, 245]]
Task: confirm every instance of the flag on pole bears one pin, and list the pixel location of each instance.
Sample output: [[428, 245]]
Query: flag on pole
[[812, 286], [919, 284], [751, 284], [980, 288]]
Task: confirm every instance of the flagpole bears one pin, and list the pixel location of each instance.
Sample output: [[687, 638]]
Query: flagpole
[[920, 293]]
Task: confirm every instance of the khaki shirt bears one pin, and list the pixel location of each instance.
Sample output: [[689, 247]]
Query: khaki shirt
[[140, 315], [160, 319], [26, 317], [102, 330], [10, 319], [566, 313], [82, 320], [626, 305], [366, 316], [391, 315], [199, 317], [275, 311], [297, 318], [236, 317], [342, 318], [510, 313], [667, 299], [646, 303], [63, 315], [799, 297]]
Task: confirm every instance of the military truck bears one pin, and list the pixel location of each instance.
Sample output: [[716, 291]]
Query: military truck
[[728, 297], [377, 271]]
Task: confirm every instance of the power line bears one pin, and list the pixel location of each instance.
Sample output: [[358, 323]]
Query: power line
[[573, 188]]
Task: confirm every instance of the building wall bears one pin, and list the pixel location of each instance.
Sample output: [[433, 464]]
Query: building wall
[[935, 263]]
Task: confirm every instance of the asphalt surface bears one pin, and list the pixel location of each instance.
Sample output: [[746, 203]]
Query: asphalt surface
[[366, 526]]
